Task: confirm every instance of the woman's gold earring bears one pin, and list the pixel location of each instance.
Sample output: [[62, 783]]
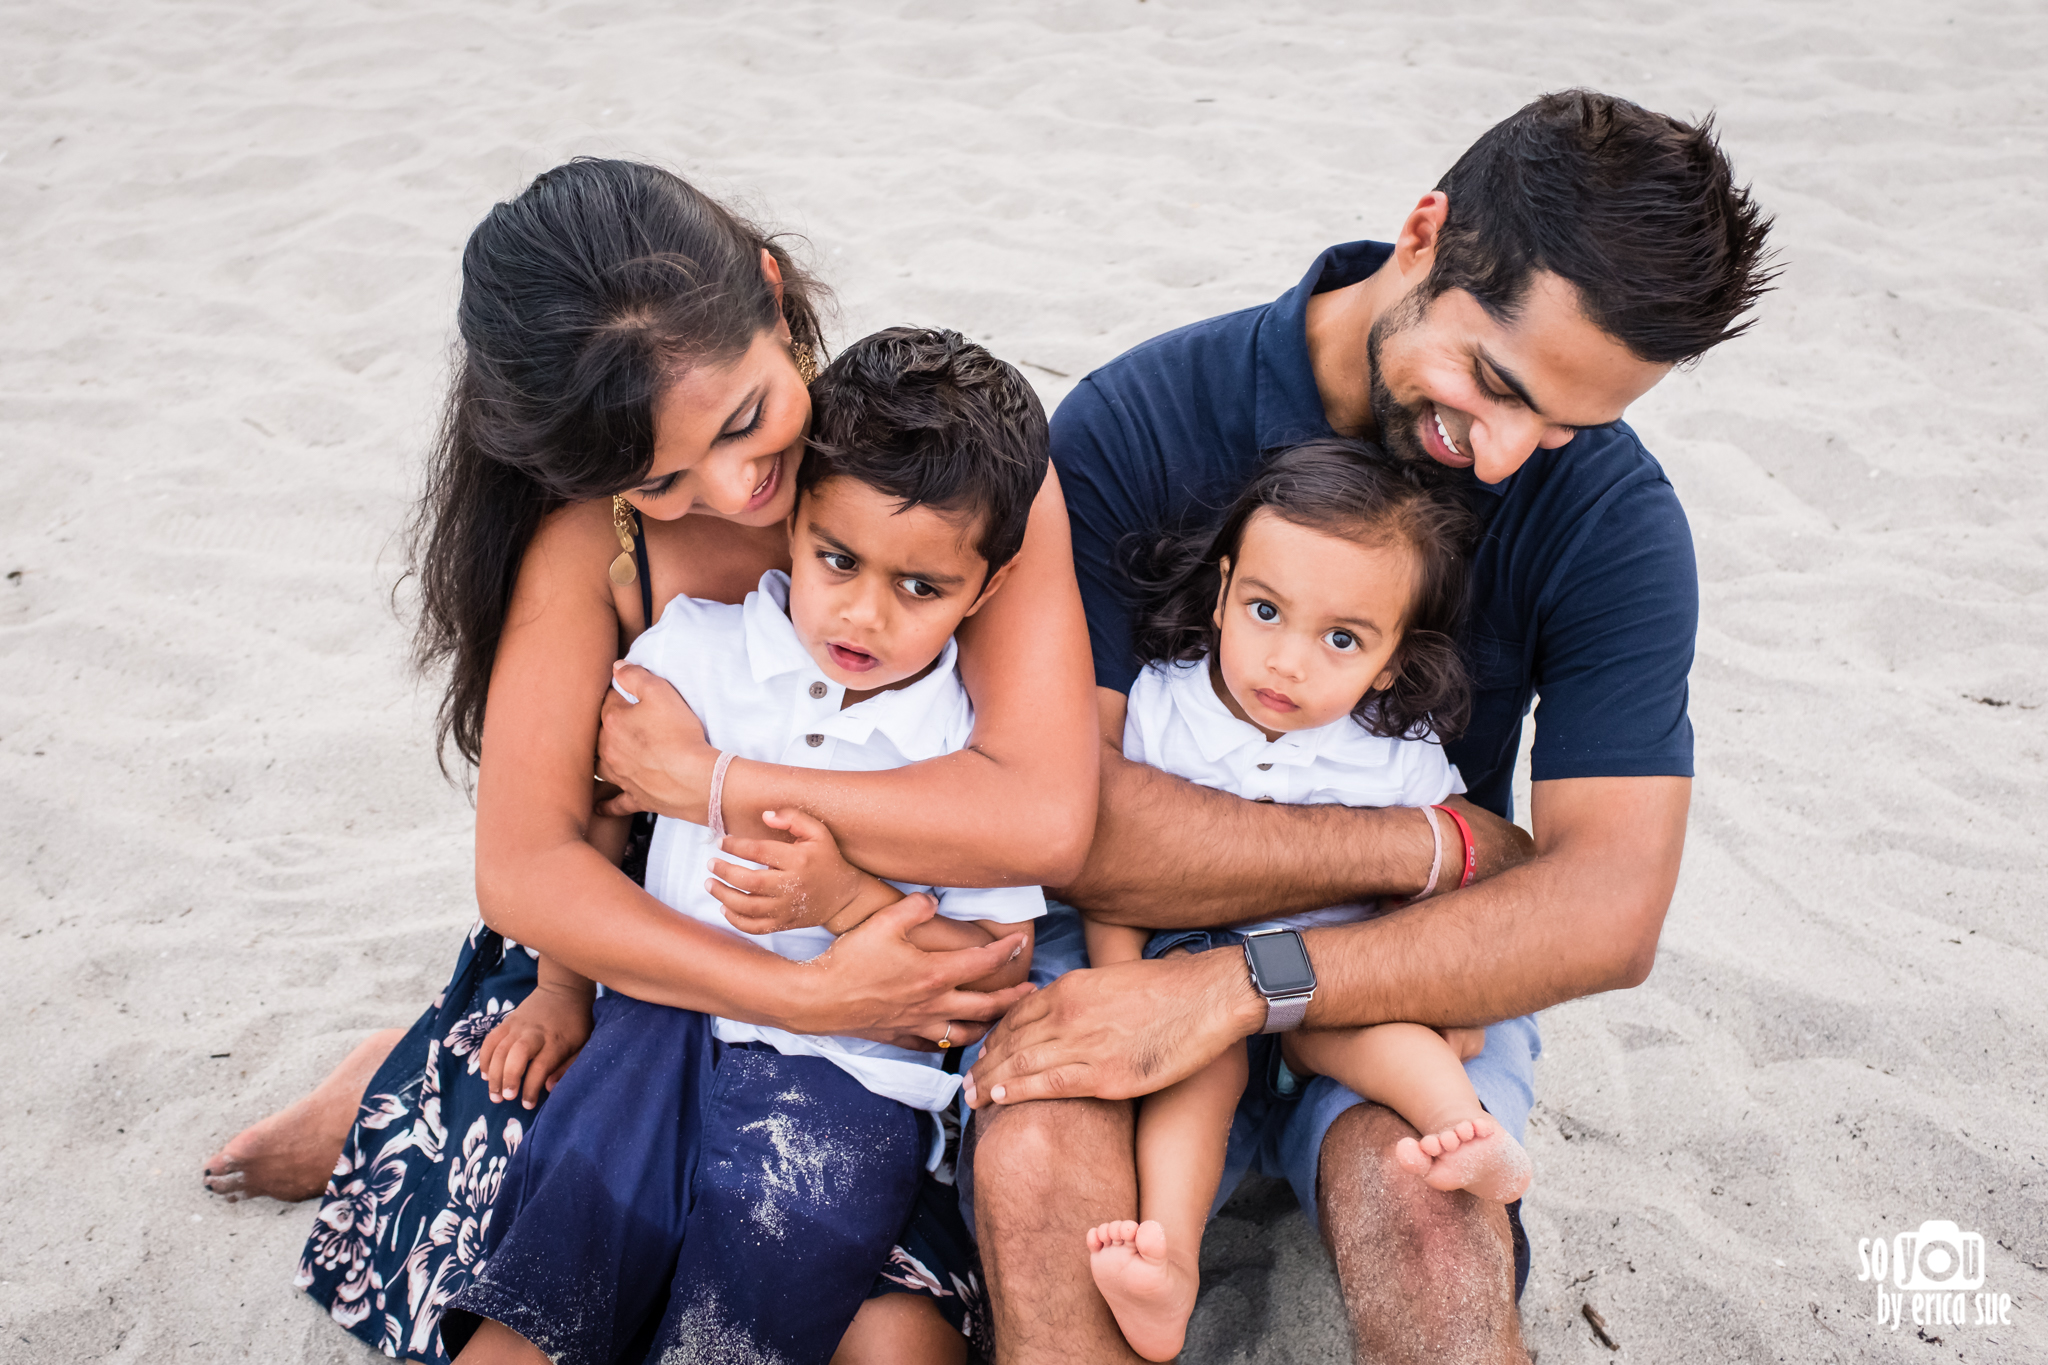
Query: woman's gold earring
[[806, 360], [624, 570]]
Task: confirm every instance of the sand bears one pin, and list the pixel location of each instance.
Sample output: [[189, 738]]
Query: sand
[[230, 234]]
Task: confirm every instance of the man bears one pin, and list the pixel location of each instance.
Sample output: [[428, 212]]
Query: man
[[1573, 256]]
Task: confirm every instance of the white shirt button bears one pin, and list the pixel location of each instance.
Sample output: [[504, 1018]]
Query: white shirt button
[[814, 740], [1265, 767], [817, 689]]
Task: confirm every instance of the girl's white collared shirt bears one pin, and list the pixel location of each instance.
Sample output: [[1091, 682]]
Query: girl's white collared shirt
[[1175, 722]]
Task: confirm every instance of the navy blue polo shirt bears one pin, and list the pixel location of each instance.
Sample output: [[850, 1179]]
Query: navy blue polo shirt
[[1584, 586]]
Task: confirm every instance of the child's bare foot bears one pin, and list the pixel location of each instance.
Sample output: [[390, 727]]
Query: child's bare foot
[[1150, 1295], [1473, 1155], [289, 1155]]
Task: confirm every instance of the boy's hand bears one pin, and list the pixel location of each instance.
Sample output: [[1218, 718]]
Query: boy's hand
[[530, 1049], [803, 883]]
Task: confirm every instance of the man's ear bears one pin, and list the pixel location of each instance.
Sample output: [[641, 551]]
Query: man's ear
[[988, 589], [1222, 591], [1415, 247]]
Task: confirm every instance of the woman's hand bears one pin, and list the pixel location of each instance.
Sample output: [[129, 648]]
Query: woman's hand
[[533, 1045], [654, 750], [873, 982], [802, 883]]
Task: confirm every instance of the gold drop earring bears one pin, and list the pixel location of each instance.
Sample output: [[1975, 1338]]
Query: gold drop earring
[[806, 360], [624, 570]]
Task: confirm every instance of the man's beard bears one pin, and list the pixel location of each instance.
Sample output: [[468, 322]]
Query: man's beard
[[1400, 426]]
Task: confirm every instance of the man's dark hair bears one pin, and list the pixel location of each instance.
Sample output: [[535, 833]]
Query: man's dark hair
[[927, 416], [1638, 210]]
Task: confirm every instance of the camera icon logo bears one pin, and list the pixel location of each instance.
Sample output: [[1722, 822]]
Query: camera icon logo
[[1939, 1258]]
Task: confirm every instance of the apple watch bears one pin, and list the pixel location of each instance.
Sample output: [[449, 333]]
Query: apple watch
[[1278, 961]]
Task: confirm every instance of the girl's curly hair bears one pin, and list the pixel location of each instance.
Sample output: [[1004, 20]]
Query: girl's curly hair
[[1341, 488]]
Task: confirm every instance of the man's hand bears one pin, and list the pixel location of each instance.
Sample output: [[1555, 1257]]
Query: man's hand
[[1119, 1031], [654, 750], [803, 882], [533, 1045]]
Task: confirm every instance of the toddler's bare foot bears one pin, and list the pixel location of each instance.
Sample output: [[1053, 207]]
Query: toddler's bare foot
[[289, 1155], [1473, 1155], [1150, 1295]]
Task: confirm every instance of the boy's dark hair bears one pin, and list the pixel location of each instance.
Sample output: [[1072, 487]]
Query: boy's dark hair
[[927, 416], [1636, 209], [1342, 488]]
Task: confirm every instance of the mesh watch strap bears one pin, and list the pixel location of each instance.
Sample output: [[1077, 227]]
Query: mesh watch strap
[[1286, 1012]]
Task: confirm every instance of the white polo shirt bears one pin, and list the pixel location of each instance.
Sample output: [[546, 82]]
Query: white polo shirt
[[761, 696], [1177, 723]]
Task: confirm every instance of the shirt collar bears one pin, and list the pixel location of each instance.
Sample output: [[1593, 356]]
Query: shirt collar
[[1288, 408], [772, 646], [1219, 733], [903, 715]]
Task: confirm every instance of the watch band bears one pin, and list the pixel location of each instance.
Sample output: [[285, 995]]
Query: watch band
[[1287, 1005], [1285, 1013]]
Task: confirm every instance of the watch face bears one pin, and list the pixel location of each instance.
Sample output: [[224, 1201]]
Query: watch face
[[1279, 963]]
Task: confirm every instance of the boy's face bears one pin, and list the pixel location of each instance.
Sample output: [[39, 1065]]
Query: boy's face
[[874, 591]]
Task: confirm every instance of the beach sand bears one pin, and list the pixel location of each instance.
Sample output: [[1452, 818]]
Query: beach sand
[[230, 243]]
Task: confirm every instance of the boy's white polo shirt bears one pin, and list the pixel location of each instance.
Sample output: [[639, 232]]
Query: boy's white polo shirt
[[761, 696], [1175, 722]]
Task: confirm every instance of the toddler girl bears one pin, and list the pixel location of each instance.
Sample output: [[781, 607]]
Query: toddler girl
[[1304, 652]]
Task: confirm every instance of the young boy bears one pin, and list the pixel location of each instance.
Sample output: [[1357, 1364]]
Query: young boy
[[741, 1177]]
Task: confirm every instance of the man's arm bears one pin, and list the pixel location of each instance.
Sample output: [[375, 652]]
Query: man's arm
[[1172, 855], [1582, 916]]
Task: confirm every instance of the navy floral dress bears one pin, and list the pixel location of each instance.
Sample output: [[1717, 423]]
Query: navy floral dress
[[402, 1227]]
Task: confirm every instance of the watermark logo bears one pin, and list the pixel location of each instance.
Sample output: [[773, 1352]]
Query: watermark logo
[[1938, 1273]]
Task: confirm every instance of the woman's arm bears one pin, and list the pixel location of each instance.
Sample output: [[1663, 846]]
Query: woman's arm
[[1016, 807], [541, 882]]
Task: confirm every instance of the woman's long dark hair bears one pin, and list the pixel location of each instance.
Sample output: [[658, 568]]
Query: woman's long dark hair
[[1341, 488], [581, 299]]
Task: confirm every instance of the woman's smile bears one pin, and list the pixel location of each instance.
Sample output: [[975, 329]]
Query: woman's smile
[[765, 491]]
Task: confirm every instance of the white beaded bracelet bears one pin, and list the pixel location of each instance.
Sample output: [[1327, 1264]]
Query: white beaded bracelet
[[717, 804], [1436, 862]]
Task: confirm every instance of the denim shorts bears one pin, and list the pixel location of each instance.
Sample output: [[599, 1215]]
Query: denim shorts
[[1280, 1124]]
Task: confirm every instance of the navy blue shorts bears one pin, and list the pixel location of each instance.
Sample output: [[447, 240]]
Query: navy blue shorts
[[680, 1198]]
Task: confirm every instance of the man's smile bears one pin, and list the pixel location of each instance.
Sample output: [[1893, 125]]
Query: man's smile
[[1437, 440]]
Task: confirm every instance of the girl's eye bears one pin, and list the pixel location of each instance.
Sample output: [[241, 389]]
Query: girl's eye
[[1343, 641], [920, 589], [1265, 611], [659, 486], [843, 563]]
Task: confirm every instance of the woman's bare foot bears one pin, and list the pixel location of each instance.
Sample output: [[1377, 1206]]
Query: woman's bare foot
[[1151, 1296], [1474, 1155], [289, 1155]]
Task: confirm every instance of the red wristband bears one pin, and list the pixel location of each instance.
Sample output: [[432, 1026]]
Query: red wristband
[[1471, 849]]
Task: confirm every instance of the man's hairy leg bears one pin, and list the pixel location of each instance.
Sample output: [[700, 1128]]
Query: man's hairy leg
[[1428, 1276], [1044, 1171]]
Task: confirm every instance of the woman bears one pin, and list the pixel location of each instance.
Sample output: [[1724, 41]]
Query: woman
[[622, 334]]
